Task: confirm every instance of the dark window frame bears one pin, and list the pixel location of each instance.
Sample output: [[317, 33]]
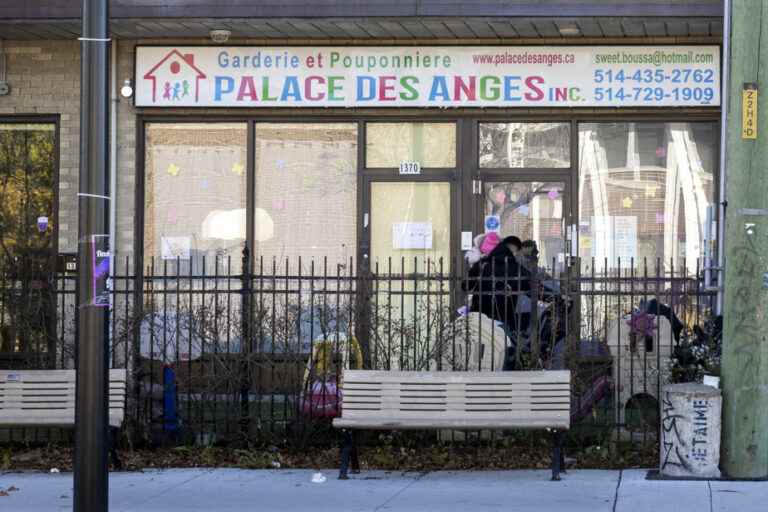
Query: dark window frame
[[461, 176], [55, 121]]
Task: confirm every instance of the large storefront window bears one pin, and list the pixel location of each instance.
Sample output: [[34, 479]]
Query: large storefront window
[[305, 192], [195, 196], [646, 193], [429, 144]]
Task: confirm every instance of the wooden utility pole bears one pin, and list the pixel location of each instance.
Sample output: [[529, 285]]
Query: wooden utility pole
[[745, 314]]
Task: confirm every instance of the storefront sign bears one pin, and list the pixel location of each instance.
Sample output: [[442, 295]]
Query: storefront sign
[[749, 112], [558, 76]]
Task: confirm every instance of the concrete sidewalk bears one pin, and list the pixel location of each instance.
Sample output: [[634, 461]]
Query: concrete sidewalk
[[210, 490]]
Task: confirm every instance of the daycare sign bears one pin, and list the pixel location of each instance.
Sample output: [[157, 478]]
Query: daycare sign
[[567, 76]]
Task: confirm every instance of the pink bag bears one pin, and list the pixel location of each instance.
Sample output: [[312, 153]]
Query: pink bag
[[322, 399]]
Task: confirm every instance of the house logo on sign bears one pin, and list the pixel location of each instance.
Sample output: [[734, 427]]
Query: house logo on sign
[[175, 79]]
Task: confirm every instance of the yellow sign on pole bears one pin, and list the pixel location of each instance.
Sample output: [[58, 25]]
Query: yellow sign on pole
[[749, 111]]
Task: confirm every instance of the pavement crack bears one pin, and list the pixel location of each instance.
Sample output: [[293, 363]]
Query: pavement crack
[[401, 491], [616, 495], [711, 502], [166, 489]]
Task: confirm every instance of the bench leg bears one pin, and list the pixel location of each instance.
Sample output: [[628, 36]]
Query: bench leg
[[116, 462], [355, 456], [562, 454], [557, 451], [346, 451]]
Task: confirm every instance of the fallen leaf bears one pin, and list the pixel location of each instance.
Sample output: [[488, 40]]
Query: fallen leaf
[[3, 493], [12, 488]]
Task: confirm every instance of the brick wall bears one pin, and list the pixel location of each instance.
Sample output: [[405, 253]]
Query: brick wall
[[45, 79]]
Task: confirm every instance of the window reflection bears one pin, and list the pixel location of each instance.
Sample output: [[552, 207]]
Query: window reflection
[[27, 227], [519, 145], [530, 211], [646, 192]]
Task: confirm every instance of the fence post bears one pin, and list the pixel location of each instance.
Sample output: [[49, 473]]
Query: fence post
[[363, 294], [246, 343]]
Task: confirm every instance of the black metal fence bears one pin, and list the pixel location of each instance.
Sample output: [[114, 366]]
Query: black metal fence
[[218, 354]]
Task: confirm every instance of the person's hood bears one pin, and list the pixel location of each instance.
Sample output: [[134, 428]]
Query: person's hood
[[502, 252]]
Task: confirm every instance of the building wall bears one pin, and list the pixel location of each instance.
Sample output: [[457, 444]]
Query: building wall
[[45, 80]]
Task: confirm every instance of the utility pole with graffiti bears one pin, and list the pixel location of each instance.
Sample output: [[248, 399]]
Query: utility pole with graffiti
[[745, 314]]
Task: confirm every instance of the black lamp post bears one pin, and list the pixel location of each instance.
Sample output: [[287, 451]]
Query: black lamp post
[[91, 409]]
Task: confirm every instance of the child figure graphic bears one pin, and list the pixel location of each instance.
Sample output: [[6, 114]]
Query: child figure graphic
[[167, 91], [176, 90], [185, 86]]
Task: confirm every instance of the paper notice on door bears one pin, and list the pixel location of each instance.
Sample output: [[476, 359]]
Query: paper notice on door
[[625, 237], [412, 235]]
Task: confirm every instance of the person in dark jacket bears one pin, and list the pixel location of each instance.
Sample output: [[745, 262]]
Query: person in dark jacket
[[496, 281]]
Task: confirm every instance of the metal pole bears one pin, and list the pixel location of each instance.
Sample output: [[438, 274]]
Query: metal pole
[[724, 97], [91, 420]]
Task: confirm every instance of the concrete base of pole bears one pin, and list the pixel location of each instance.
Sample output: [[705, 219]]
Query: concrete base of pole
[[690, 431]]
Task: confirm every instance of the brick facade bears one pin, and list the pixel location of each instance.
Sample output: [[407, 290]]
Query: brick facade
[[45, 80]]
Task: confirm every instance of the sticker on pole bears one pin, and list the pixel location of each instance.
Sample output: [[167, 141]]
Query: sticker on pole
[[749, 111], [492, 223], [100, 259]]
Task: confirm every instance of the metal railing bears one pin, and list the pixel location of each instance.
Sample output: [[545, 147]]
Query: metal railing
[[218, 353]]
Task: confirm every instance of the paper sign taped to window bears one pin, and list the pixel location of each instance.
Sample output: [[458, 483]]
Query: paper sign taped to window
[[412, 235], [466, 240], [176, 247]]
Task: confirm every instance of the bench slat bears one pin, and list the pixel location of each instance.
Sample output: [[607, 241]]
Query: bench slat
[[551, 421], [451, 393]]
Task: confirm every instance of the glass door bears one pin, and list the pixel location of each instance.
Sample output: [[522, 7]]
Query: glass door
[[410, 226], [407, 223], [523, 187], [537, 212]]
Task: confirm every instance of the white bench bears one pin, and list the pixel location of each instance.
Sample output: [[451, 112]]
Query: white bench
[[394, 400], [46, 398]]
